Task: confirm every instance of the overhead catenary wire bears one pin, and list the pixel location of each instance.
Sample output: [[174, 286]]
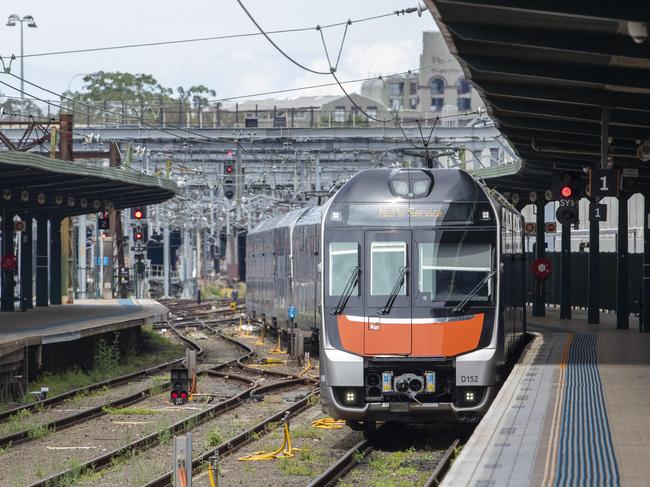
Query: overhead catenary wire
[[202, 39]]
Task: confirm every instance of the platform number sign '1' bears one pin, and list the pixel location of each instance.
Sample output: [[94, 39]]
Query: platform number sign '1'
[[291, 312], [603, 182], [597, 212]]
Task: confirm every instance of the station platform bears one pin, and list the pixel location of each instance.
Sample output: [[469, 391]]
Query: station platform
[[573, 411], [69, 322]]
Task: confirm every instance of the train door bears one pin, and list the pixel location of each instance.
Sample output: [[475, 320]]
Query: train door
[[388, 301]]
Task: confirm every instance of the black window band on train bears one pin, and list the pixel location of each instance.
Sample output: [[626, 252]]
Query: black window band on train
[[410, 214]]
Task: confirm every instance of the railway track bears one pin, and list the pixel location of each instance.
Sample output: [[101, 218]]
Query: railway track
[[234, 370], [391, 466]]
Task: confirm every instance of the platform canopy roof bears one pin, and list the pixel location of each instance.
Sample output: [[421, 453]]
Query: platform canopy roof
[[36, 184], [546, 70]]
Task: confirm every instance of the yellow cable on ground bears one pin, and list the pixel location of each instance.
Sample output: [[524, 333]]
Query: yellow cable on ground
[[328, 423], [278, 348], [307, 367], [285, 450], [211, 476]]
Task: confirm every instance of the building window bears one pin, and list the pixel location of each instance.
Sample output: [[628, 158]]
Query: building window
[[339, 114], [437, 104], [395, 89], [437, 86], [463, 87], [395, 103], [437, 89], [464, 104], [413, 102], [372, 112], [414, 88]]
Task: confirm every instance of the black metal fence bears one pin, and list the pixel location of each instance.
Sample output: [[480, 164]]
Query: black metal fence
[[580, 275]]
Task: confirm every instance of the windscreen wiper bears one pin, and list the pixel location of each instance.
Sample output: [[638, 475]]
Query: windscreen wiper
[[347, 291], [393, 294], [460, 306]]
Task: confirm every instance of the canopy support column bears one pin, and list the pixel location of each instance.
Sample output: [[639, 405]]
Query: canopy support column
[[539, 300], [41, 261], [8, 283], [644, 324], [593, 289], [565, 274], [622, 286], [55, 260], [26, 277]]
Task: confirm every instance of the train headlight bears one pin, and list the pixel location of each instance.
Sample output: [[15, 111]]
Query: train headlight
[[350, 397], [470, 397]]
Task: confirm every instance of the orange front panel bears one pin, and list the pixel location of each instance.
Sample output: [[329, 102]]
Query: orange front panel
[[387, 338], [351, 334], [446, 339]]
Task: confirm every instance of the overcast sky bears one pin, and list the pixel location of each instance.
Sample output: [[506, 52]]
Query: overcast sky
[[231, 67]]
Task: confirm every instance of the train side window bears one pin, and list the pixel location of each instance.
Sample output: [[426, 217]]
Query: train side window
[[344, 258], [386, 262]]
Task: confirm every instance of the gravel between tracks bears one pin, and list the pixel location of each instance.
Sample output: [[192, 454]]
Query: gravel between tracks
[[155, 462], [28, 462]]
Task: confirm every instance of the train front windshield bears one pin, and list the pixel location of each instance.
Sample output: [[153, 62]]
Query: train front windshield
[[444, 265], [450, 264]]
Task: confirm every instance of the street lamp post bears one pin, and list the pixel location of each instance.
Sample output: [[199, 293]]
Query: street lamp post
[[11, 22]]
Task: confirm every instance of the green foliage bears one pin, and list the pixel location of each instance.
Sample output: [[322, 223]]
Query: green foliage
[[118, 86], [215, 437], [39, 431], [107, 354], [292, 466]]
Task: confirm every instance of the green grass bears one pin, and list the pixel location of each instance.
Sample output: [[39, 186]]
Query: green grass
[[129, 411], [39, 431], [215, 437], [294, 466], [154, 349]]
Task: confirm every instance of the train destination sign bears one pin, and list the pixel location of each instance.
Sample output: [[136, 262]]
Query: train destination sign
[[401, 214]]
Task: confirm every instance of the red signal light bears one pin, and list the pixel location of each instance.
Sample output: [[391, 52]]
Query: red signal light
[[183, 395], [138, 235], [174, 395], [566, 191], [138, 214], [229, 169]]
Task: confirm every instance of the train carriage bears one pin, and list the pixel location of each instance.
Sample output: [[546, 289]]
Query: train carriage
[[422, 294]]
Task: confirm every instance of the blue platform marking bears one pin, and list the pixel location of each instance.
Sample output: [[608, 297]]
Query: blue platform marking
[[585, 452]]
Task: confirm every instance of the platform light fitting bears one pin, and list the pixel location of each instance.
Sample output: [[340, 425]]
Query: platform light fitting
[[6, 194], [97, 204], [71, 201], [40, 198], [24, 195], [532, 196], [548, 194], [58, 199], [515, 198], [83, 202]]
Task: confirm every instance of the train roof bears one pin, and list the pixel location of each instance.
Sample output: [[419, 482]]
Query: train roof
[[302, 216], [372, 186]]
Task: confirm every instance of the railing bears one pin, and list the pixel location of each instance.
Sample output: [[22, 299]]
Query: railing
[[116, 114]]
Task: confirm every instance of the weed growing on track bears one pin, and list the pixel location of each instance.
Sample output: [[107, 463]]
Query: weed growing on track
[[165, 436], [154, 349], [215, 437], [292, 466], [39, 431]]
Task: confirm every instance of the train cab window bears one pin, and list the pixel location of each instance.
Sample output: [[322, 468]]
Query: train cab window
[[387, 259], [343, 260], [450, 268]]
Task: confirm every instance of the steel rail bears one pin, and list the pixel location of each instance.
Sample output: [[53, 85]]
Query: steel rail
[[343, 465], [88, 414], [443, 465], [233, 444], [115, 381]]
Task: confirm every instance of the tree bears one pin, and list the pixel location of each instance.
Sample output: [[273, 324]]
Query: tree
[[196, 95], [17, 108], [124, 87]]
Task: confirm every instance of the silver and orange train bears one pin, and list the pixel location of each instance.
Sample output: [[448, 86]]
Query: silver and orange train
[[413, 283]]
